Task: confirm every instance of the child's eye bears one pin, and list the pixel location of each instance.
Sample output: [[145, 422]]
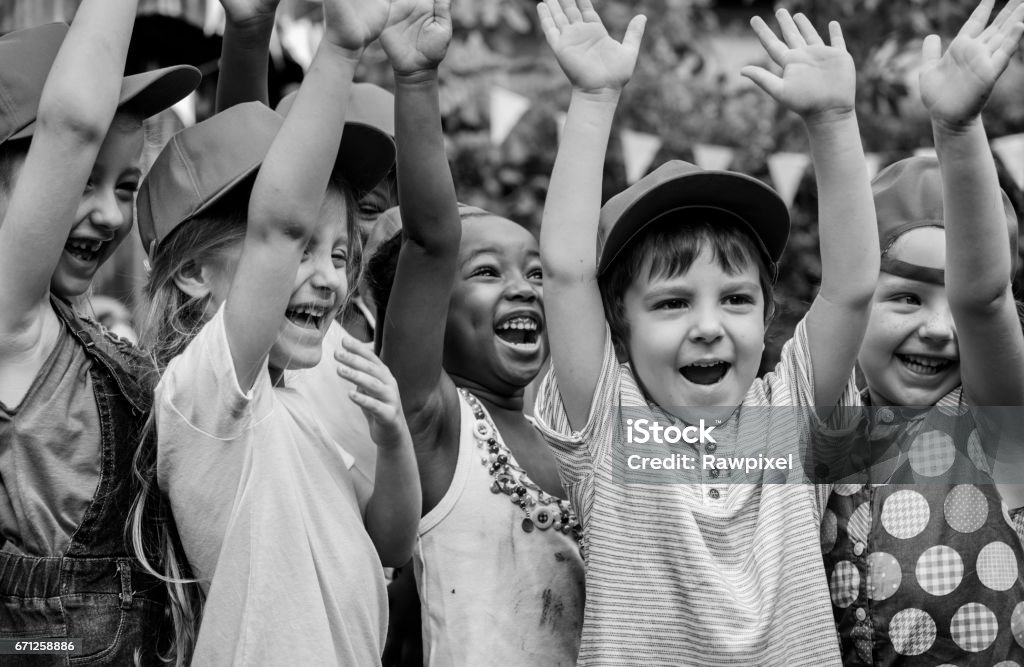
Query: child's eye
[[127, 190], [536, 274], [484, 272], [369, 210], [670, 304], [739, 300], [339, 257], [907, 299]]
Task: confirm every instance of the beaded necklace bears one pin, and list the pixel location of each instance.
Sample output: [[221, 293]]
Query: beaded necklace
[[542, 510]]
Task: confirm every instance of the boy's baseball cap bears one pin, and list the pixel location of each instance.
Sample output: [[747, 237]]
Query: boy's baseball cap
[[368, 138], [908, 195], [26, 57], [679, 186]]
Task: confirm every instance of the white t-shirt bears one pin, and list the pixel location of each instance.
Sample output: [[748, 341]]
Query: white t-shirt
[[710, 573], [267, 512]]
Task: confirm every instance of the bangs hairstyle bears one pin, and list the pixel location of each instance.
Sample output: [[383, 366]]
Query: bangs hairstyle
[[668, 248]]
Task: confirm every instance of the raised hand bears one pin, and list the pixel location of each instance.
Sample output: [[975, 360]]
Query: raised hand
[[588, 55], [956, 85], [417, 34], [352, 24], [241, 12], [817, 80], [376, 391]]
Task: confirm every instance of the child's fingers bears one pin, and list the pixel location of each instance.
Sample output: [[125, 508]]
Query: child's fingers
[[772, 45], [975, 24], [557, 15], [807, 30], [359, 359], [931, 49], [547, 23], [634, 33], [1009, 46], [835, 35], [588, 12], [374, 409], [572, 12], [789, 31], [443, 11], [367, 384], [764, 79]]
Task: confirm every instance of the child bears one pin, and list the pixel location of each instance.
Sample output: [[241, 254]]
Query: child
[[72, 399], [290, 571], [463, 334], [709, 573], [924, 567]]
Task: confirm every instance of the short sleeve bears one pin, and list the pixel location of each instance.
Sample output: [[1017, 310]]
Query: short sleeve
[[200, 387], [597, 434]]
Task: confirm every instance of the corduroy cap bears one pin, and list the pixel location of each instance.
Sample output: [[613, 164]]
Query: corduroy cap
[[368, 139], [680, 186], [908, 195], [26, 57]]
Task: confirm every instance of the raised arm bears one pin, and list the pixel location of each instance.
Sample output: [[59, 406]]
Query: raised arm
[[597, 67], [245, 51], [818, 82], [416, 41], [290, 188], [955, 87], [77, 105]]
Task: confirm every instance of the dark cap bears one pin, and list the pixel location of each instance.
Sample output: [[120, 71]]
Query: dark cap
[[680, 186], [908, 195], [201, 164], [26, 57], [367, 144]]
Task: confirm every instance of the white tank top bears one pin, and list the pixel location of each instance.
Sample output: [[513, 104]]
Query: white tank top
[[491, 592]]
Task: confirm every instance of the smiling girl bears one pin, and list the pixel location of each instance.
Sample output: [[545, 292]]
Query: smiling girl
[[497, 566]]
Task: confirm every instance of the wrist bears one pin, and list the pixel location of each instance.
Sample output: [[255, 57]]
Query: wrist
[[955, 127], [330, 44], [415, 77], [829, 118], [598, 96]]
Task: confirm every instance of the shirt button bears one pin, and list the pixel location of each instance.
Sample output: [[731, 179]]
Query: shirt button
[[710, 447], [714, 472], [885, 415], [861, 614], [858, 548], [714, 494]]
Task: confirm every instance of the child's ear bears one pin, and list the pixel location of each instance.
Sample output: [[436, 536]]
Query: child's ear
[[194, 279]]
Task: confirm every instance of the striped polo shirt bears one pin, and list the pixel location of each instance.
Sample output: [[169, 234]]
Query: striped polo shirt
[[706, 573]]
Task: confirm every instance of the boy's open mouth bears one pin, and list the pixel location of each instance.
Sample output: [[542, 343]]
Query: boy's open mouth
[[307, 316], [706, 372], [924, 365], [520, 331], [87, 251]]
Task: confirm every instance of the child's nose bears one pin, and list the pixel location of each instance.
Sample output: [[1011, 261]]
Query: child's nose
[[105, 210], [328, 276], [707, 327], [938, 326], [518, 287]]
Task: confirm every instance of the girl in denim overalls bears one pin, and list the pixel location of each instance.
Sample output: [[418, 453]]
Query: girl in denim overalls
[[72, 402]]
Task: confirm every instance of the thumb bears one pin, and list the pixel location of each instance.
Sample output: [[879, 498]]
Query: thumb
[[764, 79], [634, 33], [443, 11], [931, 49]]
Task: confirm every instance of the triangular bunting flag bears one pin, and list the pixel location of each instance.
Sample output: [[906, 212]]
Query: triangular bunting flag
[[1010, 150], [506, 110], [874, 162], [710, 156], [638, 151], [786, 170]]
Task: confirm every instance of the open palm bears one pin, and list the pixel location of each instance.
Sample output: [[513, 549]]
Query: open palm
[[588, 55], [956, 85], [417, 34], [816, 78]]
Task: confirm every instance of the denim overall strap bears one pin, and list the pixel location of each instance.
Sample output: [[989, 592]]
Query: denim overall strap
[[96, 590]]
